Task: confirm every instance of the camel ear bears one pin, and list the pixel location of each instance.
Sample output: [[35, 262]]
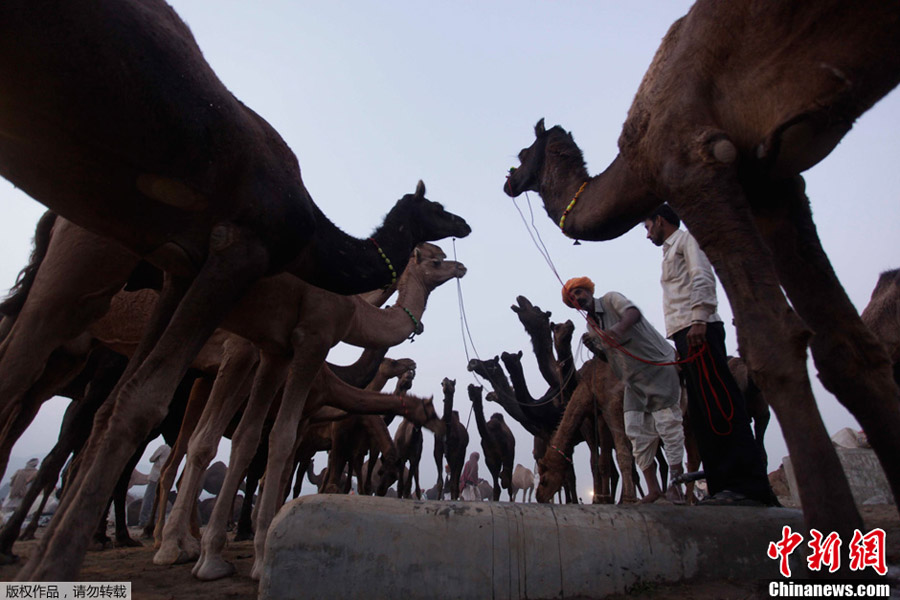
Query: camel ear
[[417, 254], [519, 353], [539, 128], [420, 189]]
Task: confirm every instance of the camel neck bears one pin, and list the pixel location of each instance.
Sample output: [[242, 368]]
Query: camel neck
[[607, 206], [341, 263]]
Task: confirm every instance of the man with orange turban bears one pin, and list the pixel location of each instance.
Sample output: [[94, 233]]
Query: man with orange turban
[[635, 351]]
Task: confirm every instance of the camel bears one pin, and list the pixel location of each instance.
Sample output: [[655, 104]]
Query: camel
[[356, 435], [522, 479], [326, 319], [497, 441], [453, 445], [882, 315], [789, 82], [408, 440], [597, 384], [206, 190]]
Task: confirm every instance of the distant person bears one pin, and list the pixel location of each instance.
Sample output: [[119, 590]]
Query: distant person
[[735, 472], [157, 459], [19, 483], [652, 391], [468, 481]]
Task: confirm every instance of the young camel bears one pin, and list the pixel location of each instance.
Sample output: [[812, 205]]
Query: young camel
[[319, 321], [207, 190], [596, 383], [352, 438], [453, 445], [497, 441], [790, 81], [522, 479]]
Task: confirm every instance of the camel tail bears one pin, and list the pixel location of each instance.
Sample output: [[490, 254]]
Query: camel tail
[[15, 300]]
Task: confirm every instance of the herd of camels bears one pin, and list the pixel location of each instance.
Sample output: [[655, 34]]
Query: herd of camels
[[191, 287]]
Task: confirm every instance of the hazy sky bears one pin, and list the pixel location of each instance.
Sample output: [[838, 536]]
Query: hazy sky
[[374, 96]]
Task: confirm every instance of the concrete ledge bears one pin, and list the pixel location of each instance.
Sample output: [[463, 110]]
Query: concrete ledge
[[333, 546]]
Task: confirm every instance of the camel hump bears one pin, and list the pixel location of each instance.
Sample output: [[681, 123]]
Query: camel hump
[[13, 304], [887, 279]]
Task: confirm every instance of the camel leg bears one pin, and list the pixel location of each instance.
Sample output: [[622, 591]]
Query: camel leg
[[309, 356], [269, 376], [624, 458], [772, 339], [123, 538], [850, 361], [244, 530], [142, 400], [73, 433], [196, 402], [177, 545], [67, 295]]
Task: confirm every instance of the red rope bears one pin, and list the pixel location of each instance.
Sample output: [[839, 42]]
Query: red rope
[[698, 356]]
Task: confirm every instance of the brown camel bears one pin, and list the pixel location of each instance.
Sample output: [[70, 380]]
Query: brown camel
[[325, 320], [882, 315], [597, 384], [740, 98], [169, 163], [354, 436], [522, 479], [497, 441], [452, 446]]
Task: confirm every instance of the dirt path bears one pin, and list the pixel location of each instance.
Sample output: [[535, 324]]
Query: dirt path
[[152, 582]]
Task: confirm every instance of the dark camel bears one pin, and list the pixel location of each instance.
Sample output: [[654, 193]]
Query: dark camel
[[497, 441], [452, 446], [141, 142], [740, 99]]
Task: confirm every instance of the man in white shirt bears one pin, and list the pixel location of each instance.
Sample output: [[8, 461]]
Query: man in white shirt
[[735, 472], [638, 354]]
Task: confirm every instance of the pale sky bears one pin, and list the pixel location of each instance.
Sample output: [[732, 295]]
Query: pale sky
[[373, 97]]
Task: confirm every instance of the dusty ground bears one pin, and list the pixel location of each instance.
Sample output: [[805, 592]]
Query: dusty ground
[[151, 582]]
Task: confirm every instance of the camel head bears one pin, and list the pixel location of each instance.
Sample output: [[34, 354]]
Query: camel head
[[405, 381], [552, 468], [475, 392], [395, 367], [448, 386], [512, 360], [433, 423], [531, 316], [562, 333], [486, 368], [424, 220], [429, 265], [491, 397], [530, 173]]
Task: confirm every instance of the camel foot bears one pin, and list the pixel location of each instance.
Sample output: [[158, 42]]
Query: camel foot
[[126, 541], [173, 553], [242, 536], [651, 497], [211, 568], [256, 571], [8, 559]]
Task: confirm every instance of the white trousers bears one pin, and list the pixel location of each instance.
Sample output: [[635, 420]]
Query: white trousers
[[646, 429]]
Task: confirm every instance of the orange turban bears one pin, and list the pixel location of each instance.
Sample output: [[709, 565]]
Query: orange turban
[[576, 282]]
